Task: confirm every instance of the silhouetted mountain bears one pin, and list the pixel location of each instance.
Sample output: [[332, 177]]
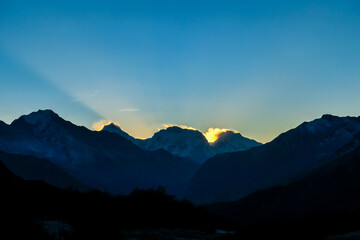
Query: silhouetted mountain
[[290, 156], [7, 178], [328, 198], [16, 140], [230, 141], [102, 160], [112, 127], [180, 142], [189, 143], [33, 168]]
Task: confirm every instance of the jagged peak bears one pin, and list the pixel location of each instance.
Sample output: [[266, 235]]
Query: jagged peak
[[232, 139], [180, 131], [2, 123], [45, 112], [39, 116], [115, 128], [111, 126], [173, 128], [227, 134], [330, 117]]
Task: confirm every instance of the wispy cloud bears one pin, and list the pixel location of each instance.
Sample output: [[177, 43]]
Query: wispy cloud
[[128, 110], [94, 94]]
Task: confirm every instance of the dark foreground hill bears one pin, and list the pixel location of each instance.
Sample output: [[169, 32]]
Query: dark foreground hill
[[326, 201], [33, 168], [27, 206]]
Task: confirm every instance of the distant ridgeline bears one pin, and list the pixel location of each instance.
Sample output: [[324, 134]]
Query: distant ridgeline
[[189, 143], [66, 155], [100, 160], [291, 156]]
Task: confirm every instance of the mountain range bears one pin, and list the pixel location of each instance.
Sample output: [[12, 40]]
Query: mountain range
[[101, 160], [43, 146], [331, 188], [189, 143], [308, 174], [231, 176], [111, 159]]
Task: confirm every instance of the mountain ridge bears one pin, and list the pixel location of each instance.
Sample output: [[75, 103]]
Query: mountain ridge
[[230, 176], [101, 160], [188, 143], [230, 141], [33, 168], [332, 187]]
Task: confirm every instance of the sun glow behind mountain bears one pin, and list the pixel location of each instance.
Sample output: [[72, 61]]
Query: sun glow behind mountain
[[212, 134], [98, 126], [180, 126]]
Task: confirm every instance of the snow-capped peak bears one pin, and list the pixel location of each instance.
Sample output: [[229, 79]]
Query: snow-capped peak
[[40, 116], [329, 121]]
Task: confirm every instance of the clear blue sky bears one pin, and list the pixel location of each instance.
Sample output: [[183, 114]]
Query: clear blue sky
[[261, 67]]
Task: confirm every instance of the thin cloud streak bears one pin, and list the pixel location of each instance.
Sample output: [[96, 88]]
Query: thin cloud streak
[[128, 110], [94, 94]]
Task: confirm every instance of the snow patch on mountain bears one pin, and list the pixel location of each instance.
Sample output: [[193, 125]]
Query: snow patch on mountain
[[181, 142]]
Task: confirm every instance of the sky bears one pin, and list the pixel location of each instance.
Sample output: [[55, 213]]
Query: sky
[[260, 67]]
